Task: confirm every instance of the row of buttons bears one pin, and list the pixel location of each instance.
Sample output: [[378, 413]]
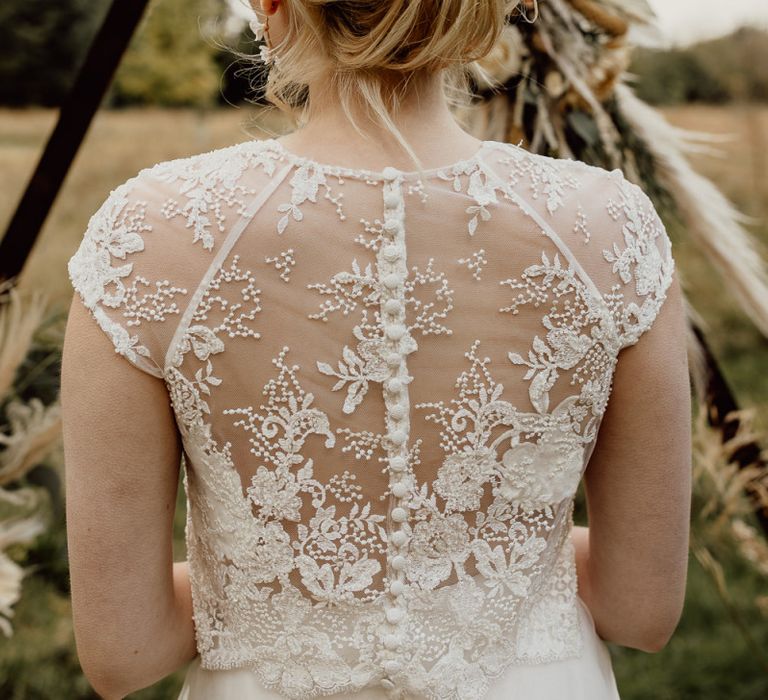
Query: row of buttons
[[396, 399]]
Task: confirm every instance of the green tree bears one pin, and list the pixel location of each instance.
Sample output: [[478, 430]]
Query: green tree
[[727, 69], [739, 61], [172, 57], [42, 45]]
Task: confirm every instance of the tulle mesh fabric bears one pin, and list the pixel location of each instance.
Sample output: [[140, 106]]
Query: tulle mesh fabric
[[388, 389]]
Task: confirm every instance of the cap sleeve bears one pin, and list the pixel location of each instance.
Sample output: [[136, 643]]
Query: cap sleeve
[[122, 276], [640, 254]]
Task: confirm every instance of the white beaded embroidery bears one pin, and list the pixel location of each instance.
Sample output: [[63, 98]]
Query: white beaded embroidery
[[284, 262], [303, 571], [581, 224], [475, 263]]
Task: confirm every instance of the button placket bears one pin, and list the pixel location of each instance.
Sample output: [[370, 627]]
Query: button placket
[[393, 272]]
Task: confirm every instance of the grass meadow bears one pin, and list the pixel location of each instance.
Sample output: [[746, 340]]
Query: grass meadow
[[719, 651]]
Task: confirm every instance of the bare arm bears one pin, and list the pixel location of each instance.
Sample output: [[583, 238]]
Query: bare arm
[[580, 538], [633, 558], [131, 604]]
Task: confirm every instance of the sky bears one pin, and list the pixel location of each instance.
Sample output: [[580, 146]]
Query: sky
[[682, 21]]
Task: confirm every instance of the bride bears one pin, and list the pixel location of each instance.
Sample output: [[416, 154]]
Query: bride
[[386, 355]]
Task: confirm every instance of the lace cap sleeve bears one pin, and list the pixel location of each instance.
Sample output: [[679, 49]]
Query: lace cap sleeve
[[123, 278], [640, 255]]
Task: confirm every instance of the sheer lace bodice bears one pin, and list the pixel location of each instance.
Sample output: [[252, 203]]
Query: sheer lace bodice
[[388, 388]]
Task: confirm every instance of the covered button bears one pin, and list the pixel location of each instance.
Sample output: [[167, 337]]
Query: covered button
[[398, 437], [393, 359], [395, 615], [392, 306], [399, 490], [398, 562], [397, 411], [397, 464], [386, 683], [399, 538], [396, 588], [396, 332], [390, 173], [392, 280], [392, 252], [391, 200], [391, 641], [399, 515], [394, 384], [392, 666]]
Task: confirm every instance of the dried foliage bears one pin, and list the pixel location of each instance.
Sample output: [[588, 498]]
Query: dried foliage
[[29, 431], [725, 493], [559, 87]]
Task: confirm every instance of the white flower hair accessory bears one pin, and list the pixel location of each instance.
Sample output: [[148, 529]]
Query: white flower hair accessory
[[257, 27], [261, 33], [267, 55]]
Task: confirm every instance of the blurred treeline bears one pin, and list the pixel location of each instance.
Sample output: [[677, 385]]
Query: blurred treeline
[[182, 54], [733, 68]]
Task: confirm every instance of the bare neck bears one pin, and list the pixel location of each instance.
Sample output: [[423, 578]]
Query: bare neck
[[424, 118]]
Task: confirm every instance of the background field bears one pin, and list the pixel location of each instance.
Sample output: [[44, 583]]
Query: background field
[[709, 657]]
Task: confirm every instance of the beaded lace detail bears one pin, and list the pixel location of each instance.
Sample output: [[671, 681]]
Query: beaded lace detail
[[388, 388]]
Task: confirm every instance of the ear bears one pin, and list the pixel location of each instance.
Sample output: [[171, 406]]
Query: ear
[[269, 7]]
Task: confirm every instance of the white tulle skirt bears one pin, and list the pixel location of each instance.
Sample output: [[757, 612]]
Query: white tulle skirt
[[589, 677]]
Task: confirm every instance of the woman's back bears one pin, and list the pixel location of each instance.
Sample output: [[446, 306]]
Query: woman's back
[[388, 388]]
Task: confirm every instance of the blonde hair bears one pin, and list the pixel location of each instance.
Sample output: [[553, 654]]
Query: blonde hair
[[370, 51]]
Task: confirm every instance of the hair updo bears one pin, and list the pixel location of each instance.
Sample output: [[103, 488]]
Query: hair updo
[[405, 35], [370, 50]]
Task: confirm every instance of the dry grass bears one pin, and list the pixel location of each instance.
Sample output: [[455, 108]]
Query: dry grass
[[742, 169]]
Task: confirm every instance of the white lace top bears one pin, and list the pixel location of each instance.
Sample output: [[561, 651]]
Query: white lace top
[[388, 389]]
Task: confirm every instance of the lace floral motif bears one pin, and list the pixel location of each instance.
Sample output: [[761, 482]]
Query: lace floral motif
[[581, 224], [204, 340], [537, 475], [305, 186], [544, 176], [288, 408], [641, 260], [578, 334], [211, 185], [481, 187], [187, 396], [150, 307], [116, 231], [275, 490], [531, 475], [357, 369], [369, 363], [484, 195], [321, 556]]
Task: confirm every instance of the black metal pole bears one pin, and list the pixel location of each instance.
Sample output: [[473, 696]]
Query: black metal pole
[[75, 117]]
